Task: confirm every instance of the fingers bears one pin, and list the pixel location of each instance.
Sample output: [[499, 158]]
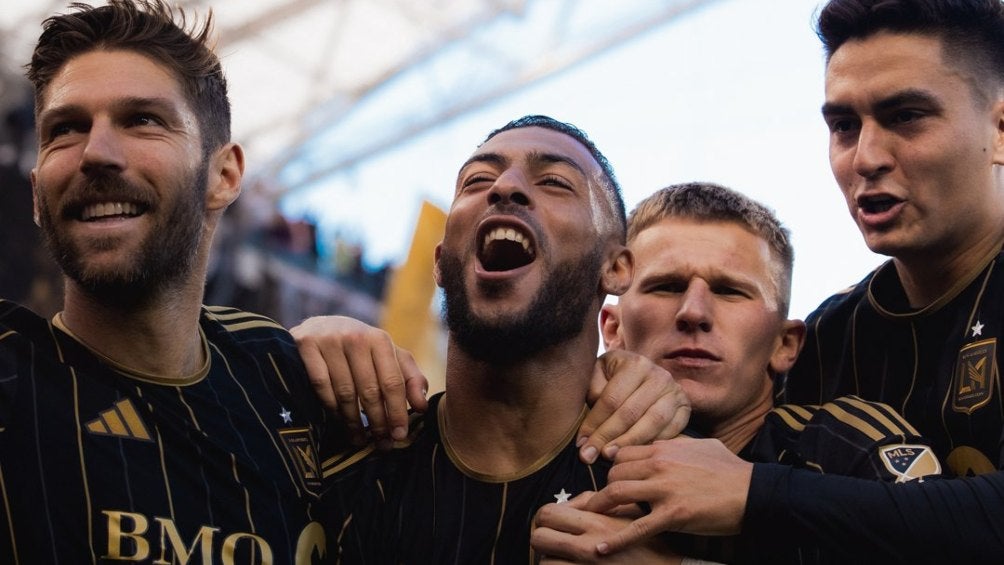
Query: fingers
[[639, 404], [559, 533], [416, 385], [635, 532], [351, 365]]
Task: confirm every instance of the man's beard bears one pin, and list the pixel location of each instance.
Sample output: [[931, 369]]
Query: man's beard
[[165, 257], [557, 314]]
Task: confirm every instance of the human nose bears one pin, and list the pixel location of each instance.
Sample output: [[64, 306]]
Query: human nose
[[695, 308], [103, 149], [871, 155], [510, 186]]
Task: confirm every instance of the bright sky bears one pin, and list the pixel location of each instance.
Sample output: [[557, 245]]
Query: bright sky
[[729, 93]]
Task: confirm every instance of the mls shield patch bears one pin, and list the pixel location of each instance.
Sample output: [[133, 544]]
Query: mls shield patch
[[909, 462], [300, 446], [975, 374]]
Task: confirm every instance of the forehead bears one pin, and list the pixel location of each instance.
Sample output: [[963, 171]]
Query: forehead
[[96, 76], [885, 63], [518, 145], [704, 247]]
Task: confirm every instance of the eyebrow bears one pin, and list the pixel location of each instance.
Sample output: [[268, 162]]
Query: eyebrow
[[165, 105], [534, 158], [897, 99]]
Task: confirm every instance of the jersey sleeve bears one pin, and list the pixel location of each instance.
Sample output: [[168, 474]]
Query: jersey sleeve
[[851, 437], [934, 521]]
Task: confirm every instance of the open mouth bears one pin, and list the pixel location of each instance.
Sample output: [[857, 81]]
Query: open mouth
[[877, 204], [105, 210], [504, 248]]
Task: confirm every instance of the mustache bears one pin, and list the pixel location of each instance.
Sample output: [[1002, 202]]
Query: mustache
[[105, 187]]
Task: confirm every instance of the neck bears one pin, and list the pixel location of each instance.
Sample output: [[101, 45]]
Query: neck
[[930, 276], [158, 337], [504, 420], [740, 429]]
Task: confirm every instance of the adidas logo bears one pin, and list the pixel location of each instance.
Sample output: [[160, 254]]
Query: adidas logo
[[121, 420]]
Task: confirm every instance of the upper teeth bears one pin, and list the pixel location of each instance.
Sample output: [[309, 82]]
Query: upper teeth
[[509, 234], [109, 209]]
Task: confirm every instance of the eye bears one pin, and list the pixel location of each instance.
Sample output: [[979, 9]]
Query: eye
[[906, 116], [841, 125], [63, 128], [141, 120], [477, 180], [727, 290], [553, 180], [668, 287]]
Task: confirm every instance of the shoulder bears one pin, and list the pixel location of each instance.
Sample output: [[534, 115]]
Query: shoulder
[[841, 304], [355, 460]]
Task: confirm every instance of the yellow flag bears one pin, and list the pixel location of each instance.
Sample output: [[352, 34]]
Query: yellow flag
[[408, 315]]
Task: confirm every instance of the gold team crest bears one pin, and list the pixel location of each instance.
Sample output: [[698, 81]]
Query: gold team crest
[[910, 462], [975, 374], [300, 445]]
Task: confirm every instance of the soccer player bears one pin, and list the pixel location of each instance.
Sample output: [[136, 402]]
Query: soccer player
[[533, 244], [915, 107], [709, 302], [138, 425]]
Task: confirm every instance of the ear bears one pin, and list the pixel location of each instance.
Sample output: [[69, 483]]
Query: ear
[[610, 326], [618, 270], [790, 342], [435, 266], [998, 148], [226, 169], [35, 210]]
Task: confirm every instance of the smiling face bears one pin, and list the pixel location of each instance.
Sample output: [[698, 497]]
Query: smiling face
[[524, 248], [121, 178], [912, 146], [704, 305]]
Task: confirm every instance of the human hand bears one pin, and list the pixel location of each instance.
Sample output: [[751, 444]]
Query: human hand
[[694, 486], [565, 533], [353, 364], [634, 401]]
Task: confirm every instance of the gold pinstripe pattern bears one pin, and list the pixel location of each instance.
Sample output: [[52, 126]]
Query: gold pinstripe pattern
[[83, 464], [498, 526], [10, 519], [278, 373], [261, 422]]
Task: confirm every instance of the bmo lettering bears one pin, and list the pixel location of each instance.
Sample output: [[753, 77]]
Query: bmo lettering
[[126, 527]]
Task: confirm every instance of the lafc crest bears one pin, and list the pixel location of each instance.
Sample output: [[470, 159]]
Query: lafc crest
[[301, 448], [909, 462], [975, 374]]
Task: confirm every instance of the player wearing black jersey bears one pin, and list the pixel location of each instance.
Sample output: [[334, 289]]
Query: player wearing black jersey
[[138, 425], [709, 302], [533, 243], [103, 462], [915, 107]]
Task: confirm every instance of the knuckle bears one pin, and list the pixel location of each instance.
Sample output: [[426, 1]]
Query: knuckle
[[345, 393], [370, 393]]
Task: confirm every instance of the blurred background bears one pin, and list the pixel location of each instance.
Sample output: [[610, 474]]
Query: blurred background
[[356, 114]]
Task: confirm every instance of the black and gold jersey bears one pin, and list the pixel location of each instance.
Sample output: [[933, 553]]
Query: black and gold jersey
[[419, 503], [100, 463], [848, 436], [938, 366]]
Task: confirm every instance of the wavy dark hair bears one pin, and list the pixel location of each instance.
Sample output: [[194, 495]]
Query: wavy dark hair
[[150, 28]]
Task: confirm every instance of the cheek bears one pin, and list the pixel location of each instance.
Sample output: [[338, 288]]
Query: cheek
[[647, 323]]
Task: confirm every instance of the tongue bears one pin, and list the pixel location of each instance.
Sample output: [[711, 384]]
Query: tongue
[[504, 255]]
